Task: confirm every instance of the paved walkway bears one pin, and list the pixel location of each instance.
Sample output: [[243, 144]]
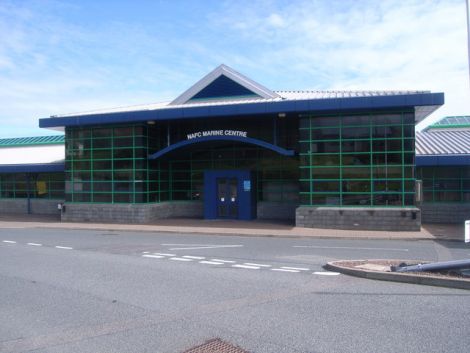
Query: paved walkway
[[235, 227]]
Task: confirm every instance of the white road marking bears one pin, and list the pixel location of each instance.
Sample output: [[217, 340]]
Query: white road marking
[[186, 246], [164, 254], [34, 244], [145, 252], [345, 247], [284, 270], [224, 261], [207, 247], [295, 268], [211, 263], [64, 247], [154, 256], [327, 273], [253, 264], [9, 241], [183, 244], [179, 259], [246, 266], [194, 257]]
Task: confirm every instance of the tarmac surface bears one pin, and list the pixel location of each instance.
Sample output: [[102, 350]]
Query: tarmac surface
[[266, 228], [68, 290]]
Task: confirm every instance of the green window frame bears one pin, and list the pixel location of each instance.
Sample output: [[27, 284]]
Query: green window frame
[[360, 159], [446, 184]]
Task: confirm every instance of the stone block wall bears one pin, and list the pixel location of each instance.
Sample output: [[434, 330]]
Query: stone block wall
[[362, 218], [445, 212], [131, 213], [276, 210], [38, 206]]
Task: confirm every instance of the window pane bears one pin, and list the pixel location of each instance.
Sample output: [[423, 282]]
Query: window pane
[[325, 147], [356, 133], [357, 200], [326, 173], [325, 121], [356, 186], [326, 199], [356, 173], [326, 159], [328, 186], [325, 134], [355, 146]]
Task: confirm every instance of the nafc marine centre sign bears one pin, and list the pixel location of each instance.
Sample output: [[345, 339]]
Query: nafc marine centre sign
[[200, 134]]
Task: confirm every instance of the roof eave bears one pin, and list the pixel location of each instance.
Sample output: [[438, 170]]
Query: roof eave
[[33, 168], [427, 102]]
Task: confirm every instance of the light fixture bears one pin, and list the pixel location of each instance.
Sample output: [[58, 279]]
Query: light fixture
[[281, 115]]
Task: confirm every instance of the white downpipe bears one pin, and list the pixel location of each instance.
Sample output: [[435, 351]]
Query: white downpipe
[[468, 37]]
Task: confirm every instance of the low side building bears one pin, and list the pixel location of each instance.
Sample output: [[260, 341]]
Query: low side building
[[443, 165], [32, 174]]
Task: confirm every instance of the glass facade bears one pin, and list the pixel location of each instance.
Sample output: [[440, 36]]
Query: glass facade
[[36, 185], [111, 165], [108, 164], [445, 184], [275, 176], [357, 159]]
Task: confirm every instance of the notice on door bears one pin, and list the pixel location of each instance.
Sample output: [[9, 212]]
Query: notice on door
[[246, 185]]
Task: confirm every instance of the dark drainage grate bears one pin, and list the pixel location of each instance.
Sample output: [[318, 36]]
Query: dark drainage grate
[[215, 346]]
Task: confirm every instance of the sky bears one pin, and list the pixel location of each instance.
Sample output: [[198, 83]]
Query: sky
[[60, 57]]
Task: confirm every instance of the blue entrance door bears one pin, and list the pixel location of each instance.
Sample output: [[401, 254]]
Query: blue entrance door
[[227, 197], [228, 194]]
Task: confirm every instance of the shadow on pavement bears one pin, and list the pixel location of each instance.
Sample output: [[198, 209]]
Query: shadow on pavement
[[452, 232]]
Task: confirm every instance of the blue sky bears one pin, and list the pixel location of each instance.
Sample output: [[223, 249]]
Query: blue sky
[[68, 56]]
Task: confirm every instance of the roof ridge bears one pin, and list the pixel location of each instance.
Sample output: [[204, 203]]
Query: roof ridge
[[353, 90], [233, 75]]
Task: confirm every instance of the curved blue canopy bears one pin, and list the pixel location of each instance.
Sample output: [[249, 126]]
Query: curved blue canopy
[[249, 140]]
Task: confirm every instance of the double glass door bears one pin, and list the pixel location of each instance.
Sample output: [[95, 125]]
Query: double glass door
[[227, 197]]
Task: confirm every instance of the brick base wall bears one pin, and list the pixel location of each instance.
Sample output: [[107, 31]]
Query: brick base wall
[[392, 219], [20, 206], [445, 213], [131, 213]]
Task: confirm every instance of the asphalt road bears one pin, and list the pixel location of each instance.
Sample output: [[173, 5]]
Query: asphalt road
[[95, 291]]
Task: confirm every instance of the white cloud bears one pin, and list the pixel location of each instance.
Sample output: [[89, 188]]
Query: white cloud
[[51, 65], [363, 45], [275, 20]]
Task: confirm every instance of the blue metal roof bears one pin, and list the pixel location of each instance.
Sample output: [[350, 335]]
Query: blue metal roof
[[222, 87], [224, 83], [225, 92], [428, 101]]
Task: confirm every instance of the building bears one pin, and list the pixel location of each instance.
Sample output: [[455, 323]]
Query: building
[[443, 165], [31, 174], [229, 147]]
